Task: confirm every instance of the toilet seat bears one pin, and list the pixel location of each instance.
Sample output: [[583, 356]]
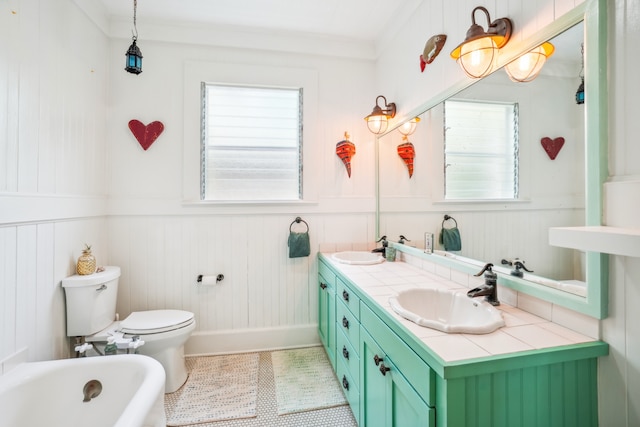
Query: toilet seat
[[155, 321]]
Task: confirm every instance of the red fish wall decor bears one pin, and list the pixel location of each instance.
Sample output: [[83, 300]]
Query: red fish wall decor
[[146, 134], [552, 146], [407, 153], [346, 150], [431, 49]]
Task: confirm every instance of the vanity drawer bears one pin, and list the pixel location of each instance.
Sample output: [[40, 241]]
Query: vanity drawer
[[347, 323], [350, 299], [345, 351], [349, 388], [417, 372], [327, 274]]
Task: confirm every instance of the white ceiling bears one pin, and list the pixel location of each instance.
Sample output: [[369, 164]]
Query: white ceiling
[[353, 19]]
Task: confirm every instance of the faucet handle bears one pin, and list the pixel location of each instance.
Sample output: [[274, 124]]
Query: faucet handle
[[488, 268], [403, 239]]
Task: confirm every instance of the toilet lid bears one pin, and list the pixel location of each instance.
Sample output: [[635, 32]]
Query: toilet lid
[[155, 321]]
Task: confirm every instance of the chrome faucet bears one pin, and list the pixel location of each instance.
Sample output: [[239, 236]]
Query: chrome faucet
[[489, 289], [403, 239]]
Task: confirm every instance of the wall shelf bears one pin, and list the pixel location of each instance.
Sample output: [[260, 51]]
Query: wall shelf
[[604, 239]]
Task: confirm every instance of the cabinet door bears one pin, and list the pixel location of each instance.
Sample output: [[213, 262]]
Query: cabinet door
[[407, 408], [327, 318], [373, 385], [388, 400]]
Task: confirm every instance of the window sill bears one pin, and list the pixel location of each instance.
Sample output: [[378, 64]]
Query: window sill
[[480, 201], [258, 203]]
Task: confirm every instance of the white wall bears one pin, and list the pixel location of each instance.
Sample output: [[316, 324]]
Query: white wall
[[619, 373], [53, 83], [163, 242]]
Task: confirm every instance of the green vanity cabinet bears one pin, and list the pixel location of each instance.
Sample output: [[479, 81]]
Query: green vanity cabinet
[[392, 378], [327, 311], [347, 348]]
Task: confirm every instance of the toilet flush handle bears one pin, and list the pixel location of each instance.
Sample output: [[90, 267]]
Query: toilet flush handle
[[101, 288]]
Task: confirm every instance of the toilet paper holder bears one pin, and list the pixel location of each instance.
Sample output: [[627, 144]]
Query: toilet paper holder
[[219, 278]]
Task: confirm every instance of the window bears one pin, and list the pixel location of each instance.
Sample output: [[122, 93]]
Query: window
[[481, 150], [251, 143]]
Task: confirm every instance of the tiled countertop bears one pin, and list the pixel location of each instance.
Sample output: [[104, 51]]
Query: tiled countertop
[[523, 331]]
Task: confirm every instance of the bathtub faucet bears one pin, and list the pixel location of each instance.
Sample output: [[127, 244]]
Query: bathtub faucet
[[91, 389]]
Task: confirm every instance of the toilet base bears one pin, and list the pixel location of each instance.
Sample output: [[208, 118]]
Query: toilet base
[[175, 368], [168, 349]]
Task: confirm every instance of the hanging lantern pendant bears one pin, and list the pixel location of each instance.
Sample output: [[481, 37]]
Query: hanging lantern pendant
[[134, 55], [134, 59]]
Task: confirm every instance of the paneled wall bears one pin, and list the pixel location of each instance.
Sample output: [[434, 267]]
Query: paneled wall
[[53, 83]]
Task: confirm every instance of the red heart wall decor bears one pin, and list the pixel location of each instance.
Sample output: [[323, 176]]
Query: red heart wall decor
[[146, 134], [552, 146]]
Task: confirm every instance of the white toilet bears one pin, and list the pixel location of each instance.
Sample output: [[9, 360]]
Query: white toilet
[[91, 313]]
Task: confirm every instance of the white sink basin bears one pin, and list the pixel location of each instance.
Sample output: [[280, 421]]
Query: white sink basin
[[447, 311], [358, 257]]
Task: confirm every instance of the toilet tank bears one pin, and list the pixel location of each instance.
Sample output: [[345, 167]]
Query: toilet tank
[[91, 301]]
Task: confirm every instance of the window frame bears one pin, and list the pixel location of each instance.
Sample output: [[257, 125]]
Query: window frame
[[196, 72], [205, 147], [516, 147]]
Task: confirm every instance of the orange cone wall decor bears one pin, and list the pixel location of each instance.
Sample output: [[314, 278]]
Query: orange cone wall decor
[[407, 153], [346, 150]]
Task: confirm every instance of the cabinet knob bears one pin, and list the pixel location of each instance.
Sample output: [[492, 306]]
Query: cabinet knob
[[345, 352], [345, 383], [377, 359], [345, 296], [323, 285], [384, 369], [345, 322]]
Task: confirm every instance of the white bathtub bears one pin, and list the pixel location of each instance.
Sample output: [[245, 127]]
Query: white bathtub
[[51, 393]]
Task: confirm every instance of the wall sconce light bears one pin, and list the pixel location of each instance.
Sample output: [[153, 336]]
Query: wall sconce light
[[134, 56], [378, 120], [408, 128], [580, 92], [527, 67], [476, 54]]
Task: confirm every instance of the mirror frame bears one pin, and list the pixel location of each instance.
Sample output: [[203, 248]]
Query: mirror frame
[[593, 13]]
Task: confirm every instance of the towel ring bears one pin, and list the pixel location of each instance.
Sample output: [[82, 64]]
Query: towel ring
[[447, 217], [298, 220]]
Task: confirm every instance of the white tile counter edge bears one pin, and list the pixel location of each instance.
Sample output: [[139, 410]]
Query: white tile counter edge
[[523, 330]]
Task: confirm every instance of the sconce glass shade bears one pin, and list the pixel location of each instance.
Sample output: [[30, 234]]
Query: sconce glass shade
[[134, 59], [580, 92], [527, 67], [477, 53], [407, 128], [378, 120]]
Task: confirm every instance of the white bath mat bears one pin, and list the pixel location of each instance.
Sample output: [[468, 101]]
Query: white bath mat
[[218, 388], [305, 381]]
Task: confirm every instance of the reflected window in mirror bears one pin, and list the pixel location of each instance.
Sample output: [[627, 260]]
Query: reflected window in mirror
[[481, 150]]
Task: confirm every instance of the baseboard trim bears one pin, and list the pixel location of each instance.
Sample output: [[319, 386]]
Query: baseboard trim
[[251, 340]]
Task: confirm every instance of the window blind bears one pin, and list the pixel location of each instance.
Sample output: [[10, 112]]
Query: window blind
[[481, 150], [251, 143]]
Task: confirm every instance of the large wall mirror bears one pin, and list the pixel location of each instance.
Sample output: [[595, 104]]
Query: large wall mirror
[[565, 191]]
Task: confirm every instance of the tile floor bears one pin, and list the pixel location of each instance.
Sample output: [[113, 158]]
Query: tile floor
[[267, 415]]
